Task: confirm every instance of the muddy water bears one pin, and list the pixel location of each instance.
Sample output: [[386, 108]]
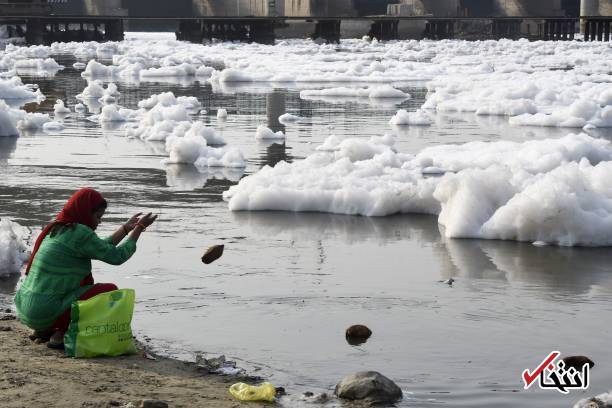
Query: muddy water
[[288, 285]]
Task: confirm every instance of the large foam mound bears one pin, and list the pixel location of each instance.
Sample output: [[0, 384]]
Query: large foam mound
[[13, 247], [32, 121], [13, 88], [164, 117], [554, 190]]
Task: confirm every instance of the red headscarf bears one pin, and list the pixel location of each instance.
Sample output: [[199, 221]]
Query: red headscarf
[[78, 210]]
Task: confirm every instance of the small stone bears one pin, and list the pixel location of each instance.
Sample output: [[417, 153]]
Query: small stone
[[320, 399], [5, 328], [152, 403], [213, 253], [357, 334], [313, 398], [371, 386], [7, 317], [577, 362], [600, 401], [280, 391], [7, 310]]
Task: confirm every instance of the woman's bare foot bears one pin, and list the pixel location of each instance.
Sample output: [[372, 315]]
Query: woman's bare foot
[[57, 340], [41, 336]]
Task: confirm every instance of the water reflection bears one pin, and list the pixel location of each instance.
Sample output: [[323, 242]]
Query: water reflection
[[275, 107], [568, 271], [7, 147], [7, 289], [26, 104], [274, 153], [93, 105], [183, 81], [189, 177], [365, 100], [346, 228], [564, 271], [34, 72], [112, 126], [236, 87]]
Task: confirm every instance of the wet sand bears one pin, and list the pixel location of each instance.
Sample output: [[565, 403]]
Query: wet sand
[[32, 375]]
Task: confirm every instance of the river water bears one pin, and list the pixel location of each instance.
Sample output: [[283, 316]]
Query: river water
[[288, 285]]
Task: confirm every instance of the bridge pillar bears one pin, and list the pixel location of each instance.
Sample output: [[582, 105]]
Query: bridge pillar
[[597, 29], [329, 30], [35, 32], [384, 30], [113, 30], [192, 31], [439, 29], [501, 28], [262, 31], [588, 8]]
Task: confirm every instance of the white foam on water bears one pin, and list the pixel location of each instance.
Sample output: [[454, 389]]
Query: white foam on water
[[37, 66], [221, 113], [53, 127], [479, 190], [540, 83], [164, 117], [265, 133], [182, 70], [59, 108], [287, 118], [113, 113], [374, 92], [418, 118], [32, 121], [555, 190], [93, 90], [13, 247], [13, 88]]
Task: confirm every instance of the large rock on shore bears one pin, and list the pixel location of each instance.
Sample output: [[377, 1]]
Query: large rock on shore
[[601, 401], [370, 386]]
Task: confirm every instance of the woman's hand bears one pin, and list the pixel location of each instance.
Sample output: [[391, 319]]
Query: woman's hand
[[131, 223], [142, 224], [147, 220]]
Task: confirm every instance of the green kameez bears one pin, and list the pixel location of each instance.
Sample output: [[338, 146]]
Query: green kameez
[[61, 263]]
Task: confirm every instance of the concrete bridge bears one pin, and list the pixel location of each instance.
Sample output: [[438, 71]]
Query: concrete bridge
[[45, 29], [45, 21]]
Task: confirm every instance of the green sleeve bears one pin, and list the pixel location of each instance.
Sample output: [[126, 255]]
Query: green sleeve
[[94, 247], [108, 239]]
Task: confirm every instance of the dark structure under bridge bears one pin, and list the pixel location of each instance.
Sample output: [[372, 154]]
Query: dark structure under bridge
[[45, 21], [329, 29]]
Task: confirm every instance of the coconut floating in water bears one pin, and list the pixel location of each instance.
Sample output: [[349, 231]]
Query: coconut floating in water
[[213, 253], [357, 334]]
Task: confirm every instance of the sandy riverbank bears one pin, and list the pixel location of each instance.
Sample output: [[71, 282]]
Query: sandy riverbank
[[31, 375]]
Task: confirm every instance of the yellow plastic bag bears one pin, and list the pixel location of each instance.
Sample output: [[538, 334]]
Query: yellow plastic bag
[[246, 392]]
